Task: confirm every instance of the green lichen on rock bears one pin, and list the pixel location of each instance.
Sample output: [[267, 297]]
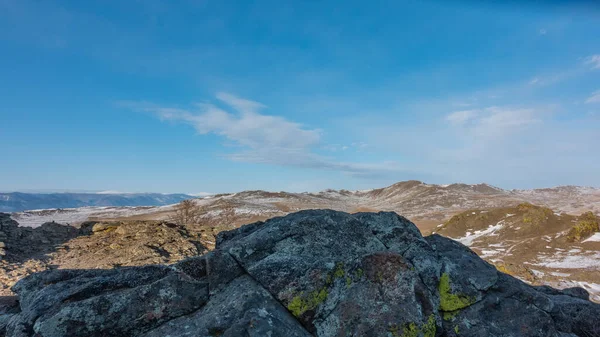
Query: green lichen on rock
[[410, 330], [450, 301], [429, 328], [359, 273], [449, 315], [456, 329], [339, 270], [413, 330], [301, 304], [297, 306]]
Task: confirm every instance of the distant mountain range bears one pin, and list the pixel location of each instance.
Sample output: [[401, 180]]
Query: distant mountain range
[[427, 205], [17, 201]]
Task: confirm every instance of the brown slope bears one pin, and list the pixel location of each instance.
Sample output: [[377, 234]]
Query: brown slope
[[533, 243]]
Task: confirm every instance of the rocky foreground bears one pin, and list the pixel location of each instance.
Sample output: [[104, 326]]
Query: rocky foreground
[[311, 273]]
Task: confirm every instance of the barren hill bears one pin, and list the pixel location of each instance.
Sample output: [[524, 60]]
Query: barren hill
[[534, 243], [427, 205]]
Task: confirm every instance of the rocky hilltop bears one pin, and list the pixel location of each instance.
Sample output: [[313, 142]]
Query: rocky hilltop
[[94, 245], [311, 273]]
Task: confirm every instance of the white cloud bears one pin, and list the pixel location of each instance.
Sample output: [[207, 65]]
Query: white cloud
[[461, 117], [594, 98], [502, 118], [493, 117], [593, 61], [264, 138], [247, 127], [492, 121]]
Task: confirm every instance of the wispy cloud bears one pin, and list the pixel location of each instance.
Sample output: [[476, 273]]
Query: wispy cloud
[[262, 138], [593, 61], [487, 130], [501, 118], [247, 127], [461, 117], [594, 98], [492, 120]]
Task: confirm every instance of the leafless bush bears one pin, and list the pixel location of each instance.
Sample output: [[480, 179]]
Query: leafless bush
[[187, 212]]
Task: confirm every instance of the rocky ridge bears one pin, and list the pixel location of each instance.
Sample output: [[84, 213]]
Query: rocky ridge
[[95, 245], [311, 273]]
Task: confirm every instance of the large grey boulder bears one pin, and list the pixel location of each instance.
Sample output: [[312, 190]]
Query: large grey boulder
[[311, 273]]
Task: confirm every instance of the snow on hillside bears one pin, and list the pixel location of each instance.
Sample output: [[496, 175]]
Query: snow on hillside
[[35, 218]]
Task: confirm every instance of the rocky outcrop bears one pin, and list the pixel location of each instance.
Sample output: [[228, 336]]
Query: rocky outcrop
[[94, 245], [22, 243], [311, 273]]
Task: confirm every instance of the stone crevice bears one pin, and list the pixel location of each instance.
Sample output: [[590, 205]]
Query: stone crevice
[[274, 297]]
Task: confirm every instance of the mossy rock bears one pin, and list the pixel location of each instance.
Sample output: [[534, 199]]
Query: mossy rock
[[450, 301]]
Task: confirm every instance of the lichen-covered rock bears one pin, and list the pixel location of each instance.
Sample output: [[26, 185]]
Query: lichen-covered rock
[[319, 273]]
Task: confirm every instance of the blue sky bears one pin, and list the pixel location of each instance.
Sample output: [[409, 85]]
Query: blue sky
[[218, 96]]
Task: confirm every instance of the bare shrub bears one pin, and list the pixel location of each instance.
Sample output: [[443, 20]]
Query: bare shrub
[[186, 212]]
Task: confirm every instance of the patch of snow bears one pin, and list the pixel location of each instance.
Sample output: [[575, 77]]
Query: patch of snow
[[470, 237], [488, 252], [593, 238], [592, 288], [508, 215], [35, 218], [537, 273], [589, 261], [554, 273]]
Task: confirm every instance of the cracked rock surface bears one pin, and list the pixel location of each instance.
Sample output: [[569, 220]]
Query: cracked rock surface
[[311, 273]]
